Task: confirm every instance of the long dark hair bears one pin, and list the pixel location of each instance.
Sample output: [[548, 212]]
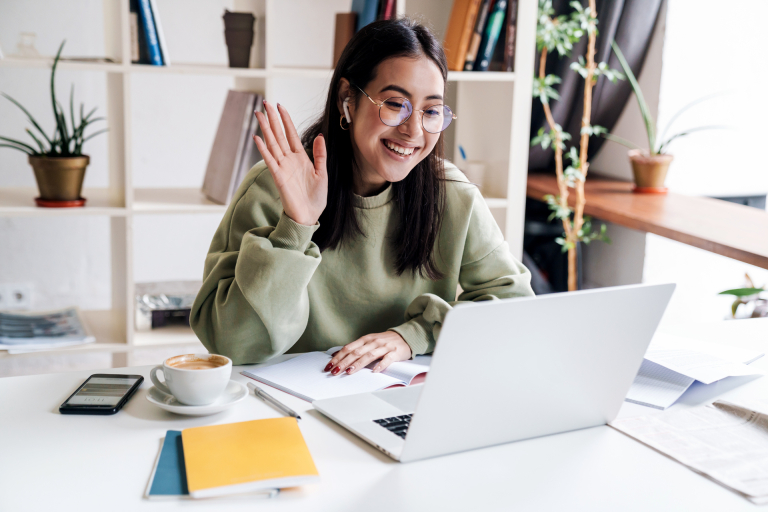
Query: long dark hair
[[420, 197]]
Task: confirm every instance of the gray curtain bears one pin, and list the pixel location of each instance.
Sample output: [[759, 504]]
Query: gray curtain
[[631, 23]]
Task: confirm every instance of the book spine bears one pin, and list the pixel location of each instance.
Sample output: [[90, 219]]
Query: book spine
[[134, 37], [495, 22], [160, 34], [366, 12], [459, 33], [477, 35], [344, 30], [389, 9], [509, 50], [149, 30]]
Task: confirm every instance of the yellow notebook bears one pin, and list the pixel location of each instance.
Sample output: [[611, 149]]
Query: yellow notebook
[[246, 456]]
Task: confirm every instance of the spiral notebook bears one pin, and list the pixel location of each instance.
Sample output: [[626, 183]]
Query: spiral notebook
[[303, 376]]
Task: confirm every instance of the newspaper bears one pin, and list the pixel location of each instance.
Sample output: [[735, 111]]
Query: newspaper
[[725, 441], [23, 332]]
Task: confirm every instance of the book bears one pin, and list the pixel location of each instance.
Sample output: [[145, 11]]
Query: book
[[168, 479], [491, 36], [227, 151], [366, 12], [160, 34], [303, 376], [511, 37], [477, 34], [251, 154], [387, 9], [497, 59], [345, 29], [138, 38], [148, 26], [244, 457], [28, 332], [459, 32]]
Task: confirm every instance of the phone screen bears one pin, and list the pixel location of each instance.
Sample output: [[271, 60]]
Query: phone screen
[[105, 391]]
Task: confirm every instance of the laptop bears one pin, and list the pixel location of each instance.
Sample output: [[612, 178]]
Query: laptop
[[513, 369]]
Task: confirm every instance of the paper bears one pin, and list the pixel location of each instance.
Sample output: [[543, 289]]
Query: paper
[[726, 441], [42, 330], [656, 386], [700, 360], [303, 376]]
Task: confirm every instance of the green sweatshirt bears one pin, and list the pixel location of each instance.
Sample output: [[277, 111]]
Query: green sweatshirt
[[268, 290]]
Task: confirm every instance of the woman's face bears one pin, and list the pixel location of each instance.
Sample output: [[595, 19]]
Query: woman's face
[[421, 82]]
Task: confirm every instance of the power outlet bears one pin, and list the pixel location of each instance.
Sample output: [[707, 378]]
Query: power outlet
[[16, 296]]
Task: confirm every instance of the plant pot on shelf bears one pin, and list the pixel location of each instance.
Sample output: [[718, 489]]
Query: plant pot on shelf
[[238, 33], [650, 171], [59, 179]]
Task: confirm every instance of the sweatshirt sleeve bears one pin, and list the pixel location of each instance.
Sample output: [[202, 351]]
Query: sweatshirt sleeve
[[254, 304], [488, 271]]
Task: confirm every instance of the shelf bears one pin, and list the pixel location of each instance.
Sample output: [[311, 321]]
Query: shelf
[[20, 202], [724, 228], [218, 69], [165, 336], [174, 200]]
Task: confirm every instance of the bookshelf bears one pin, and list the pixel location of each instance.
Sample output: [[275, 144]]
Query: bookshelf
[[494, 121]]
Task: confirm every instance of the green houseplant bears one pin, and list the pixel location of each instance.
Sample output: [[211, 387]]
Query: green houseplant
[[650, 166], [58, 161], [754, 300]]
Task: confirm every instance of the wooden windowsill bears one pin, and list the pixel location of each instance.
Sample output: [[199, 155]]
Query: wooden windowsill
[[724, 228]]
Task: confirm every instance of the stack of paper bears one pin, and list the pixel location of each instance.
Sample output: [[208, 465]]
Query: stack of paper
[[28, 332], [727, 441], [673, 363]]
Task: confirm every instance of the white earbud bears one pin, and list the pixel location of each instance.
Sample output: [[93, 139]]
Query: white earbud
[[346, 110]]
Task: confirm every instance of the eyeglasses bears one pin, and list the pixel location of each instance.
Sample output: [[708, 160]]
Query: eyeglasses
[[396, 111]]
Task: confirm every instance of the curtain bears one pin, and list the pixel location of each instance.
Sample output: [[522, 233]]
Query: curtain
[[631, 24]]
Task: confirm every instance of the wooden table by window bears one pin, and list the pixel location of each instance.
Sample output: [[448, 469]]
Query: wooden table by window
[[732, 230]]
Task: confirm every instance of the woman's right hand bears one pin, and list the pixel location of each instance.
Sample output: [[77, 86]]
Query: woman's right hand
[[303, 185]]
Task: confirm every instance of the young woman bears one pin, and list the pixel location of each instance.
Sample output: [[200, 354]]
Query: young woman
[[358, 233]]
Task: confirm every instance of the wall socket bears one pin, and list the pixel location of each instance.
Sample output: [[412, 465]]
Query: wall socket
[[16, 296]]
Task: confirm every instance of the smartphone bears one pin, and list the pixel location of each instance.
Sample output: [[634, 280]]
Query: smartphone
[[102, 393]]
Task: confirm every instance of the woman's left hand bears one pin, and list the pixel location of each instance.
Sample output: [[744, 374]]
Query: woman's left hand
[[387, 346]]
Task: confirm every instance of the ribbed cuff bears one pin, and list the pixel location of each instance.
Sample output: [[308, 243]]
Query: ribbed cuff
[[417, 333], [289, 234]]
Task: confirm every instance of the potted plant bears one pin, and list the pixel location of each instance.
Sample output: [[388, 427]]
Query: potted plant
[[649, 166], [753, 299], [58, 161]]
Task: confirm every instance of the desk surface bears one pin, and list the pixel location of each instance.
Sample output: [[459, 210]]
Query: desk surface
[[56, 462], [729, 229]]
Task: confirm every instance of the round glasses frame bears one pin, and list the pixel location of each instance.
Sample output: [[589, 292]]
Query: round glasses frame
[[450, 117]]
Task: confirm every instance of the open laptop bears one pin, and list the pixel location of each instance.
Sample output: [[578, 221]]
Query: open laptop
[[513, 369]]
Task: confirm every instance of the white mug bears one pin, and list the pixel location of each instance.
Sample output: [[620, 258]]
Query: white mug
[[194, 379]]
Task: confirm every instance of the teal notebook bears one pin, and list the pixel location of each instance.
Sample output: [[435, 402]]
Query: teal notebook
[[169, 478]]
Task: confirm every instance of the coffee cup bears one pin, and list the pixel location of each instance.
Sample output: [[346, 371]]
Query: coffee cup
[[194, 379]]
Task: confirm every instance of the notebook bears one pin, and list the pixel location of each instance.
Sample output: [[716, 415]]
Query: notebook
[[169, 476], [303, 376], [244, 457]]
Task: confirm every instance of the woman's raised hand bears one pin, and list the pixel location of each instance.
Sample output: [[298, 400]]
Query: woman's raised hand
[[303, 185]]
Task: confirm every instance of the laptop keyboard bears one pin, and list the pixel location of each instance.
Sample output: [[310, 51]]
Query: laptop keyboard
[[398, 425]]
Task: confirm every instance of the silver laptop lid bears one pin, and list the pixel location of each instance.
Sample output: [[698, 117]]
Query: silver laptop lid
[[526, 367]]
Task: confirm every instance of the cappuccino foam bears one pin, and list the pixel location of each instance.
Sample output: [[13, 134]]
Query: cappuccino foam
[[195, 365]]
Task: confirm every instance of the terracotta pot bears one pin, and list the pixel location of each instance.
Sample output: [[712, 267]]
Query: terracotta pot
[[59, 178], [650, 171]]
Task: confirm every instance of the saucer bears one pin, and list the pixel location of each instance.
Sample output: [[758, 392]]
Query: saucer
[[232, 394]]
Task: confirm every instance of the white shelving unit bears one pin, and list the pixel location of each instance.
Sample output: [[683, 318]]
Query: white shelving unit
[[493, 126]]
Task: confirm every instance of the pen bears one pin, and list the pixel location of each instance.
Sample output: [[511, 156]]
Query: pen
[[268, 398]]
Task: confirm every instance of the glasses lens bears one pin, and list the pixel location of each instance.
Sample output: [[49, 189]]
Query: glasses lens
[[437, 118], [395, 111]]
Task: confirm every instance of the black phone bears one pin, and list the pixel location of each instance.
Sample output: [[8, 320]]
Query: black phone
[[102, 393]]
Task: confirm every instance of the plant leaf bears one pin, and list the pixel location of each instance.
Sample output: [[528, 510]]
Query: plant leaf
[[647, 118], [742, 292], [689, 105], [16, 147], [29, 116], [687, 132]]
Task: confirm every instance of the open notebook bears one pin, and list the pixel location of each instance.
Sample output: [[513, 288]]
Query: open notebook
[[303, 376]]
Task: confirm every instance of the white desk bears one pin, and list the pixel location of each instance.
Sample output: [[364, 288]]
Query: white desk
[[53, 462]]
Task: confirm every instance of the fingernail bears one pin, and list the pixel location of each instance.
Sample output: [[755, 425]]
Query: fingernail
[[328, 367], [376, 370], [335, 371], [264, 102], [349, 370], [278, 105]]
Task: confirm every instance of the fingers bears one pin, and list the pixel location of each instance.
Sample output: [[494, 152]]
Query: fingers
[[269, 137], [266, 154], [277, 130], [366, 359], [293, 137], [320, 155], [387, 360]]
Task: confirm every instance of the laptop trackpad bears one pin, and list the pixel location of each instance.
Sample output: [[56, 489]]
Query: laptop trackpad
[[404, 399]]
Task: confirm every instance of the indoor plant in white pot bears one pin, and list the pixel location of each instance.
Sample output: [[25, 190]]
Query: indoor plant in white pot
[[58, 161], [649, 166]]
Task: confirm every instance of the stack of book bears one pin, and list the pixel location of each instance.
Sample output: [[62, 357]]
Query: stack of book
[[363, 13], [251, 457], [147, 39], [481, 35], [234, 152], [30, 332]]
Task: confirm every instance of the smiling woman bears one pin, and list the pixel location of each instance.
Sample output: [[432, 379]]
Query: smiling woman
[[359, 233]]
